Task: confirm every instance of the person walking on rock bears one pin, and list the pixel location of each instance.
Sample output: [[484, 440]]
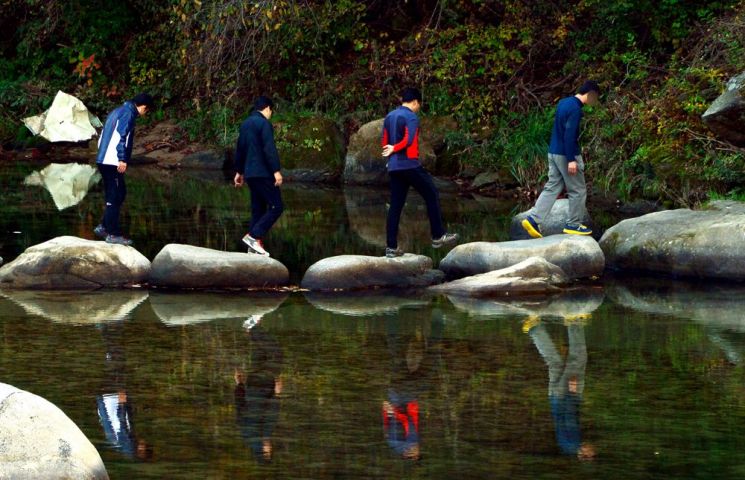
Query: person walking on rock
[[400, 140], [257, 164], [114, 153], [566, 168]]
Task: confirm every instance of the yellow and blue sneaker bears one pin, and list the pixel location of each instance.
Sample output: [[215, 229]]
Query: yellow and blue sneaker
[[577, 229], [530, 226], [530, 322]]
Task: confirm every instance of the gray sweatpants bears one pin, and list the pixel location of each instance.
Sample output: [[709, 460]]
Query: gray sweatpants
[[558, 178]]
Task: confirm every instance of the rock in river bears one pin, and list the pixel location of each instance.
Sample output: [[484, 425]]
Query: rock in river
[[529, 277], [705, 243], [37, 440], [553, 224], [75, 263], [576, 256], [357, 272], [187, 266]]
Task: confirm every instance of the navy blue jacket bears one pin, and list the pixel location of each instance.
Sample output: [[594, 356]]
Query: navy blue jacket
[[117, 137], [256, 154], [565, 134]]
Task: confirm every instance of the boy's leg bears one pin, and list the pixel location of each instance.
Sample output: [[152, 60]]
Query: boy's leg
[[399, 184], [423, 184], [274, 207], [551, 190], [258, 204], [577, 193], [112, 195]]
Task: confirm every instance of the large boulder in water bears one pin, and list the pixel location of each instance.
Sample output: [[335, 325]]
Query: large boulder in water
[[187, 266], [533, 276], [690, 243], [66, 263], [553, 224], [726, 115], [358, 272], [364, 163], [37, 440], [576, 256]]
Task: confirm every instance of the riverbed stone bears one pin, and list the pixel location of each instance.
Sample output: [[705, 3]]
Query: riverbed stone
[[75, 263], [688, 243], [358, 272], [37, 440], [187, 266], [726, 115], [533, 276], [577, 256], [553, 224]]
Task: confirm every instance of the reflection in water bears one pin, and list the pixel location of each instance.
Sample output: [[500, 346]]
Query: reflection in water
[[258, 385], [78, 308], [68, 183], [191, 308], [115, 412], [412, 351], [572, 303], [365, 303]]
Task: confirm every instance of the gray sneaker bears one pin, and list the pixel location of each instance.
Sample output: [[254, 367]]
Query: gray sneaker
[[393, 252], [254, 245], [118, 240], [446, 239], [100, 232]]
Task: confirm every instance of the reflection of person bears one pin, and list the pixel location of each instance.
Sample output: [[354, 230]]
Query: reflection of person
[[566, 168], [411, 358], [257, 163], [257, 388], [114, 405], [400, 141], [114, 151], [566, 384]]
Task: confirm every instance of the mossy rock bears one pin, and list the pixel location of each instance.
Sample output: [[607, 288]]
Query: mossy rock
[[310, 143]]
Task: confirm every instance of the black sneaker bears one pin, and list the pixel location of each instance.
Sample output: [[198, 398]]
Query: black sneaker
[[393, 252], [118, 240], [446, 239], [100, 232]]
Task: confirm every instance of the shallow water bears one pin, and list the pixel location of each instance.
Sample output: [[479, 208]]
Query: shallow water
[[636, 379]]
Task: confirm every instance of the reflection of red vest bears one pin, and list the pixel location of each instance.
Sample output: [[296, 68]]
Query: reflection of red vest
[[405, 417]]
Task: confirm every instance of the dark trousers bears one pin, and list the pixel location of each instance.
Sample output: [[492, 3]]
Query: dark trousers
[[266, 205], [421, 181], [115, 191]]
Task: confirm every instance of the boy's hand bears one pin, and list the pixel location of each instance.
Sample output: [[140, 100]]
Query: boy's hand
[[238, 180], [122, 167], [277, 179], [387, 150]]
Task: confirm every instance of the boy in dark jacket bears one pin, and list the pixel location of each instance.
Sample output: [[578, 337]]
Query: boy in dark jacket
[[257, 164]]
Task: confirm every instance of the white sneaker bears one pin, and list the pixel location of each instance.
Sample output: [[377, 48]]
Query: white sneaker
[[254, 245], [251, 322]]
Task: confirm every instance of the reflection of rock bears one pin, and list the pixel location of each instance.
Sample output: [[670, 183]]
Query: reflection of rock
[[706, 243], [78, 307], [571, 304], [68, 263], [187, 266], [39, 441], [356, 272], [578, 257], [529, 277], [67, 183], [726, 115], [368, 303], [553, 224], [186, 309], [366, 210]]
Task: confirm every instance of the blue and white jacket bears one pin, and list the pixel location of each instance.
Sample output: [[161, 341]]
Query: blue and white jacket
[[115, 144]]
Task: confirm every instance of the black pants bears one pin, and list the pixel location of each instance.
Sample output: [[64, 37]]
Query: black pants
[[115, 191], [266, 205], [421, 181]]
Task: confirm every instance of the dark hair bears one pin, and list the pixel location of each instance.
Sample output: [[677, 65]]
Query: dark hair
[[261, 102], [589, 86], [409, 94], [144, 99]]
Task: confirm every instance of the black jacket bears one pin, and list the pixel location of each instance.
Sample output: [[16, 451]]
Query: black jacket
[[256, 154]]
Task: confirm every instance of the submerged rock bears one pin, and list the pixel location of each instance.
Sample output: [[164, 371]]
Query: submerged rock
[[553, 224], [704, 243], [37, 440], [68, 263], [576, 256], [529, 277], [187, 266], [726, 115], [190, 308], [78, 308], [357, 272]]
